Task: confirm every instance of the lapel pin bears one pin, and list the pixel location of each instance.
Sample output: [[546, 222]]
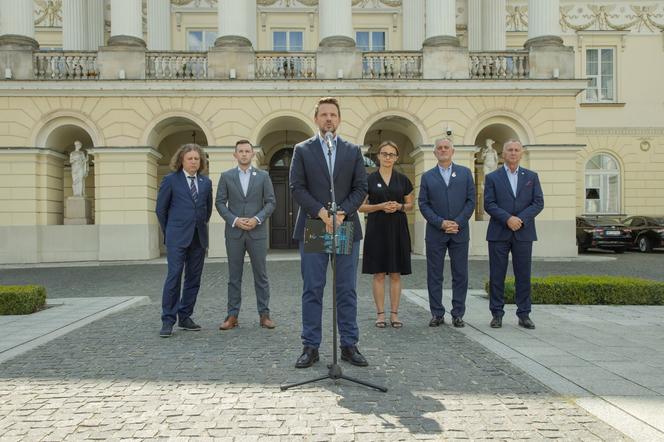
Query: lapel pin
[[253, 173], [380, 185], [453, 174]]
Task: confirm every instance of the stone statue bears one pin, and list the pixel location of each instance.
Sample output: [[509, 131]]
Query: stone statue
[[79, 169], [489, 157]]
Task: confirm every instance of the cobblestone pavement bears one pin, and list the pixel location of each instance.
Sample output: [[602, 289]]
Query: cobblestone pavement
[[115, 378]]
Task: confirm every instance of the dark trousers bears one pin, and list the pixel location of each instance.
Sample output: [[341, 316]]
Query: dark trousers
[[190, 260], [435, 251], [314, 272], [521, 262]]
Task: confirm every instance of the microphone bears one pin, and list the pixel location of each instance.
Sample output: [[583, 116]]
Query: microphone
[[329, 140]]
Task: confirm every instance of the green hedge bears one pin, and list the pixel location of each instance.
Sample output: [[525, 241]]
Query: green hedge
[[590, 290], [21, 299]]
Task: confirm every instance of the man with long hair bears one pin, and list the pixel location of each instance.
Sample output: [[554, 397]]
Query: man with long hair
[[184, 207]]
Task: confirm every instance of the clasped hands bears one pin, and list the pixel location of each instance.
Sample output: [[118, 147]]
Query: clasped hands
[[450, 227], [390, 206], [327, 219], [514, 223], [246, 223]]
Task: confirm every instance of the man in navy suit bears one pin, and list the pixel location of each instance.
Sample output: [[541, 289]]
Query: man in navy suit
[[447, 200], [184, 206], [310, 185], [512, 197]]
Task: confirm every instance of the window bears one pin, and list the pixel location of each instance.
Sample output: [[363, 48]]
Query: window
[[602, 187], [370, 40], [200, 40], [288, 41], [601, 75]]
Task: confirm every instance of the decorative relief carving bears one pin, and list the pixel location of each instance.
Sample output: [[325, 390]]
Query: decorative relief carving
[[195, 3], [615, 17], [48, 13], [312, 3], [517, 18]]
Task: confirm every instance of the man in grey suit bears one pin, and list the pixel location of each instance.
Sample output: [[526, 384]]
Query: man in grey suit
[[245, 199]]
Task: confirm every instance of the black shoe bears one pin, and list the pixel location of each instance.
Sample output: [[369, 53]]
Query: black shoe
[[458, 322], [307, 358], [497, 322], [352, 354], [166, 330], [526, 322], [436, 321], [189, 324]]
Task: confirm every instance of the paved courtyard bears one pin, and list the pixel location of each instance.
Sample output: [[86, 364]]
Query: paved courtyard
[[115, 378]]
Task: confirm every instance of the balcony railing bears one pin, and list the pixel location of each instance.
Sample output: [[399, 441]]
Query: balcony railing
[[285, 66], [51, 65], [392, 65], [176, 65], [512, 65]]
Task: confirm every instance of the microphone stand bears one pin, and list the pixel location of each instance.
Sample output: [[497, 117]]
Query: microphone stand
[[334, 369]]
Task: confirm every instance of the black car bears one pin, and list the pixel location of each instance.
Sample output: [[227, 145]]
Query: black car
[[602, 233], [647, 231]]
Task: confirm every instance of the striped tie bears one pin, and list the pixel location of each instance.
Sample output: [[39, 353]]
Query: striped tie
[[192, 188]]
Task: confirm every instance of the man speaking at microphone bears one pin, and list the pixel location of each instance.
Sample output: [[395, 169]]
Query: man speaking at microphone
[[310, 185]]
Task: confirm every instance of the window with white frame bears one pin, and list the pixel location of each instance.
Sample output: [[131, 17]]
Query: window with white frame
[[200, 40], [370, 40], [600, 71], [602, 185], [288, 41]]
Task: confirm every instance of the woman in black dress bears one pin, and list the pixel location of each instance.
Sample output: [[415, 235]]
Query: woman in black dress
[[387, 240]]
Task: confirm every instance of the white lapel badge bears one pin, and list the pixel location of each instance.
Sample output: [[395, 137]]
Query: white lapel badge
[[253, 173], [453, 174]]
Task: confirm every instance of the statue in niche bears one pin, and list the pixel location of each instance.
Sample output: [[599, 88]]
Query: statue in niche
[[79, 169], [489, 157]]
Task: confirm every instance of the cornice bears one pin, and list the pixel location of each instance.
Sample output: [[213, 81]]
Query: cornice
[[32, 151], [621, 131], [257, 88]]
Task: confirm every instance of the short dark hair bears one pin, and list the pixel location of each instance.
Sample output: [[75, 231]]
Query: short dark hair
[[176, 160], [237, 143], [327, 100], [392, 144]]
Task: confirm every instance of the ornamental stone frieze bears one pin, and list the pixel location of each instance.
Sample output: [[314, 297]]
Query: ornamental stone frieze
[[48, 13], [312, 3]]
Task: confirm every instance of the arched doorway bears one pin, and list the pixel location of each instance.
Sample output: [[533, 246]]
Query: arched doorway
[[283, 218]]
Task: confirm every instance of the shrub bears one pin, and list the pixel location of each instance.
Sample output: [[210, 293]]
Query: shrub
[[590, 290], [21, 299]]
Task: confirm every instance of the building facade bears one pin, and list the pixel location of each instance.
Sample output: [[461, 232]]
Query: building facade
[[579, 83]]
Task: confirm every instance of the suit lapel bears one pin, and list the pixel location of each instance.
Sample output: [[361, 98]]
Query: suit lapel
[[320, 157], [341, 150], [236, 180], [182, 178], [439, 177], [521, 181], [253, 176], [506, 181]]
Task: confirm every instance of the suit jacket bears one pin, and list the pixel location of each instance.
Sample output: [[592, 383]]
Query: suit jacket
[[501, 203], [178, 214], [310, 182], [259, 202], [438, 201]]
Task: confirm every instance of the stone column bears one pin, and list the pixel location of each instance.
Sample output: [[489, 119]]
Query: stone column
[[17, 24], [442, 56], [126, 23], [159, 25], [95, 24], [233, 54], [337, 56], [440, 23], [474, 30], [124, 57], [547, 58], [413, 17], [75, 25], [493, 24], [335, 23]]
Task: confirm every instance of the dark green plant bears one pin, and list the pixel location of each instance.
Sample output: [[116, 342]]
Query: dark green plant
[[21, 299], [590, 290]]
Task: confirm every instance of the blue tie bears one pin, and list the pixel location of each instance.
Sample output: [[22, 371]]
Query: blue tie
[[192, 188]]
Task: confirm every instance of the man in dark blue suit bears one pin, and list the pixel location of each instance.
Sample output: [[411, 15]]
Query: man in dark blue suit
[[512, 197], [184, 206], [310, 185], [447, 200]]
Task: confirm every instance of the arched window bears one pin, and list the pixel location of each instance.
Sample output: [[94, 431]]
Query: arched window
[[282, 159], [602, 192]]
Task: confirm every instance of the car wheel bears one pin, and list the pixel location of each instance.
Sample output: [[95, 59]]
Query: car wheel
[[619, 250], [644, 244]]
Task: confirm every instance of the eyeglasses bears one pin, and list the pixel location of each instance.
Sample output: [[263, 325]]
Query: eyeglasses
[[388, 155]]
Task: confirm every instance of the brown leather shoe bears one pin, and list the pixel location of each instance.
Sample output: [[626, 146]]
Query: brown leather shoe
[[229, 323], [266, 322]]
